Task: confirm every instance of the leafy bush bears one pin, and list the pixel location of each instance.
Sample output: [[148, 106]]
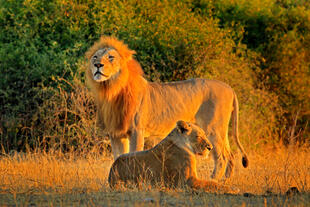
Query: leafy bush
[[43, 42], [279, 32], [37, 44]]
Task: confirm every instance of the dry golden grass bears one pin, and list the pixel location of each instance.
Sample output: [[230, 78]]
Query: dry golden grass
[[51, 172], [272, 169], [52, 179]]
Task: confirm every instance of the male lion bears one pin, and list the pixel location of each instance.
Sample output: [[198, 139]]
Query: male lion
[[172, 162], [131, 108]]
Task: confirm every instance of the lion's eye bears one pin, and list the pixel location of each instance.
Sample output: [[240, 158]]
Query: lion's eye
[[111, 58], [95, 57]]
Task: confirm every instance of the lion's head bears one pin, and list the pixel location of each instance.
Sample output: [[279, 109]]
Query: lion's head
[[108, 58], [190, 137], [105, 64], [115, 78]]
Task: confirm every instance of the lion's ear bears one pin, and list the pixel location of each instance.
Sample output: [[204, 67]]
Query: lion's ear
[[183, 127]]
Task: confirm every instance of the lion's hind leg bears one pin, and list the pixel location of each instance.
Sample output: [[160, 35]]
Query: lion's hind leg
[[220, 162], [230, 166]]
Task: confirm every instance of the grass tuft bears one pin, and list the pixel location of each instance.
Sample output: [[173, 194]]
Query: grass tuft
[[55, 178]]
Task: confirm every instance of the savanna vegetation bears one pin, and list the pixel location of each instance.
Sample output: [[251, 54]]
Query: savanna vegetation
[[260, 47], [50, 179]]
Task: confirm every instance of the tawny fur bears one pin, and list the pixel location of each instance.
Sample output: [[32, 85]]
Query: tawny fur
[[171, 163], [131, 108], [117, 98]]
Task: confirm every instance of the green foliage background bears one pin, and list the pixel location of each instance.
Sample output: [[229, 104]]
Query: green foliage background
[[260, 47]]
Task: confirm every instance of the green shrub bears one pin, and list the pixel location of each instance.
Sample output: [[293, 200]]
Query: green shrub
[[279, 32], [43, 103], [37, 44]]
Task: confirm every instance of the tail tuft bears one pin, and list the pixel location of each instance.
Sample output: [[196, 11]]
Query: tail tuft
[[245, 161]]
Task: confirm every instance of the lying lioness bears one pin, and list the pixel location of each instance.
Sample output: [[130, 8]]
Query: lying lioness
[[172, 162]]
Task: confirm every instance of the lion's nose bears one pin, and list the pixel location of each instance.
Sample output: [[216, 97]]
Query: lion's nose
[[98, 65]]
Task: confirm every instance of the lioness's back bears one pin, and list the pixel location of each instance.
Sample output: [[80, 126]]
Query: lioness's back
[[161, 164]]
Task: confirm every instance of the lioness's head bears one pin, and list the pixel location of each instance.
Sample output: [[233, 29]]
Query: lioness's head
[[191, 137]]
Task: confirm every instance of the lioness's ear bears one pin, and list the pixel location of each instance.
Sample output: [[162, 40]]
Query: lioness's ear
[[183, 127]]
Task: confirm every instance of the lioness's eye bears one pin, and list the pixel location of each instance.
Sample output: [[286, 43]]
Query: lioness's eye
[[95, 57]]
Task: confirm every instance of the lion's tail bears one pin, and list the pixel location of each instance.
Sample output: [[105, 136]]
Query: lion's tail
[[235, 120]]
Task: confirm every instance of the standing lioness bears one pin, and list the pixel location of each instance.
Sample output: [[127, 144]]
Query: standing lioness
[[172, 162], [131, 108]]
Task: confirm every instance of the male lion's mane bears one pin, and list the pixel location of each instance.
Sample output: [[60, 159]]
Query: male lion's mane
[[117, 97]]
